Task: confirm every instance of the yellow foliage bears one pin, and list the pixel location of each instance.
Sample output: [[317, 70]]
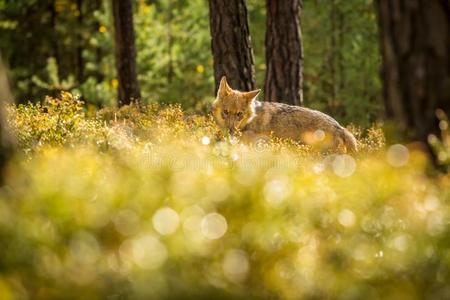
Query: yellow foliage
[[102, 29], [200, 69], [152, 203]]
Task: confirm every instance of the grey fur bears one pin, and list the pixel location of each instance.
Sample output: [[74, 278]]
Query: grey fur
[[235, 110]]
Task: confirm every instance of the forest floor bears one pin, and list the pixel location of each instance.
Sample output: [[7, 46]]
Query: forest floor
[[155, 203]]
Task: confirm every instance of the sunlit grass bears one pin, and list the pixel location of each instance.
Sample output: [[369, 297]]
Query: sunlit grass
[[152, 203]]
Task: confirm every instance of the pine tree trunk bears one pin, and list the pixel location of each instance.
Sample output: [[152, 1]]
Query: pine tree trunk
[[98, 5], [54, 38], [284, 53], [231, 44], [415, 46], [7, 141], [129, 90], [170, 39], [80, 46], [332, 60]]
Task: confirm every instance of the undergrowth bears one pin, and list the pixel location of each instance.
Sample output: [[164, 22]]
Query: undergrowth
[[152, 203]]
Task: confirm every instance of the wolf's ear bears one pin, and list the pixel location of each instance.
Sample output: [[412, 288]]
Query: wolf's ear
[[224, 88], [250, 96]]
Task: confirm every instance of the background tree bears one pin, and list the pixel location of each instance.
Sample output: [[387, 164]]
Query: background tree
[[415, 45], [6, 139], [284, 53], [335, 57], [231, 44], [128, 89], [72, 46]]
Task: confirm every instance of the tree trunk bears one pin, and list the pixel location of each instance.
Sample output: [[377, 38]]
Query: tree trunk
[[54, 38], [99, 5], [6, 139], [170, 42], [125, 52], [284, 53], [231, 44], [415, 46], [80, 45], [334, 52]]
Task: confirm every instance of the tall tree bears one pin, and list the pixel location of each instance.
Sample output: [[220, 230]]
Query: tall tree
[[284, 54], [129, 89], [80, 45], [231, 44], [6, 139], [415, 46], [335, 59]]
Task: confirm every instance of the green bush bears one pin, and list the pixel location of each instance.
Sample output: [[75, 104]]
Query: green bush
[[153, 203]]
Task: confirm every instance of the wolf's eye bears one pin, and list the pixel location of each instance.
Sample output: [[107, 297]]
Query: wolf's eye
[[225, 112], [240, 114]]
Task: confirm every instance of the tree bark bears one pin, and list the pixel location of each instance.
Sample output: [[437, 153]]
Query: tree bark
[[170, 42], [284, 53], [128, 90], [99, 5], [231, 44], [7, 141], [80, 46], [415, 47]]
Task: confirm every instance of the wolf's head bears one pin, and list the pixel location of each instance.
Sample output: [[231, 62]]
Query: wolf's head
[[232, 109]]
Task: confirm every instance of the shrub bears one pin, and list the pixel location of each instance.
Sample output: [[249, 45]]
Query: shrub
[[151, 203]]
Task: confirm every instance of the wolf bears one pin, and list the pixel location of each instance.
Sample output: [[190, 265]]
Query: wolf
[[235, 111]]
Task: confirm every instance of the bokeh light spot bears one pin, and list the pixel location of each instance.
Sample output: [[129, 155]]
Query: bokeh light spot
[[236, 265], [214, 226], [431, 203], [318, 168], [344, 165], [400, 242], [166, 221], [206, 140], [397, 155], [319, 135], [277, 190], [84, 248], [126, 222], [346, 218], [147, 252]]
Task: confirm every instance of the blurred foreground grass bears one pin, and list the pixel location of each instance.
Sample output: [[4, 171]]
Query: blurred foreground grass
[[154, 204]]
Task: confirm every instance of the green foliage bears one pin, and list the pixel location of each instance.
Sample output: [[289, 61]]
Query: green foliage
[[54, 83], [56, 122], [153, 203], [342, 59], [441, 144], [174, 52], [174, 57], [63, 122]]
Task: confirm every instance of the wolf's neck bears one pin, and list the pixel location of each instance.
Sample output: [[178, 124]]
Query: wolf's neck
[[257, 103], [256, 106]]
